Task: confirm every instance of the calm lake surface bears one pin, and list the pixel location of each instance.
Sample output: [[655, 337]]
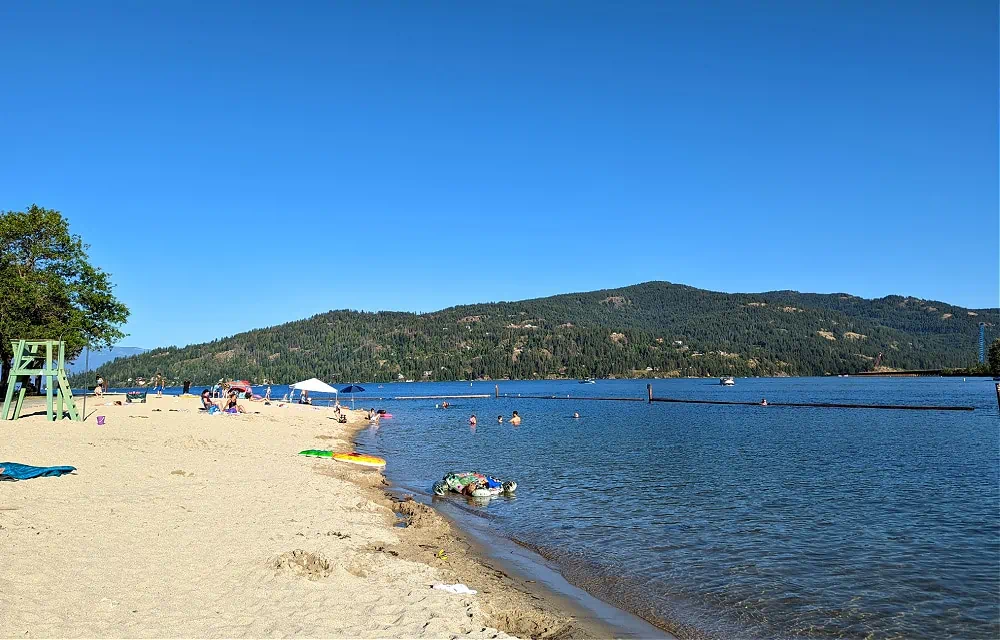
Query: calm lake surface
[[735, 521]]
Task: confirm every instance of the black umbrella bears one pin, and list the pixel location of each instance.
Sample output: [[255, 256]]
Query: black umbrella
[[352, 389]]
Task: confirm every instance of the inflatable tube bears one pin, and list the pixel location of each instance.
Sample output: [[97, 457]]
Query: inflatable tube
[[483, 493]]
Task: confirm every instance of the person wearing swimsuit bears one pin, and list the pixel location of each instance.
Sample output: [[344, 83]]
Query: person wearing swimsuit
[[232, 406]]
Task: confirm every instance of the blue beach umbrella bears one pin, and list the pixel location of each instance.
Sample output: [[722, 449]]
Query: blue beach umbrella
[[352, 389]]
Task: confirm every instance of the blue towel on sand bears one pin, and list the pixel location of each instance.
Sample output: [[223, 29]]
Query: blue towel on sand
[[15, 471]]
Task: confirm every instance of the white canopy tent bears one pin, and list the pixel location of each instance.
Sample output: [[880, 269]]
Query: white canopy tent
[[314, 385]]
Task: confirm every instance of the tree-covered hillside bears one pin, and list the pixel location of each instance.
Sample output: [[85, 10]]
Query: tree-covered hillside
[[651, 329]]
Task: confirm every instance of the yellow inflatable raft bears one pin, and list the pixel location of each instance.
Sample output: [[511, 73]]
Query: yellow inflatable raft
[[359, 458]]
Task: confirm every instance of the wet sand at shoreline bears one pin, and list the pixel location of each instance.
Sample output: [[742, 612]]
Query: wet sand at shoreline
[[181, 524]]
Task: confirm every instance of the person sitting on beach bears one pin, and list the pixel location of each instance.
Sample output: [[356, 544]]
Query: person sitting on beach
[[231, 405], [206, 402], [515, 419], [342, 419], [304, 398], [472, 420], [99, 389]]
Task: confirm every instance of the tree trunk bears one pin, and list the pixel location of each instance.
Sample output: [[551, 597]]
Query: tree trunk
[[5, 366]]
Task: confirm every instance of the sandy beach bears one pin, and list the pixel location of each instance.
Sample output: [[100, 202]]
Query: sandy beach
[[181, 524]]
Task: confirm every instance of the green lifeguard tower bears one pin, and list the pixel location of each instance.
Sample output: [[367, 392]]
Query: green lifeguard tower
[[45, 358]]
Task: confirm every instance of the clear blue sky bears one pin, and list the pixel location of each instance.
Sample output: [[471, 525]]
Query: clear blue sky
[[416, 155]]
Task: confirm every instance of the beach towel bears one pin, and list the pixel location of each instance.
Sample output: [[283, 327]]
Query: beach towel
[[16, 471]]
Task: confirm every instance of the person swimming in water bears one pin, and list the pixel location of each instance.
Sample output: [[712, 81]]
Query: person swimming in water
[[499, 419], [472, 420], [515, 419]]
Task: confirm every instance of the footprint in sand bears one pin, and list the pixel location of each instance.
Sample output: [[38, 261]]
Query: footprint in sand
[[303, 563]]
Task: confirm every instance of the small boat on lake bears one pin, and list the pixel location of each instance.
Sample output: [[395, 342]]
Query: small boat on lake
[[727, 381], [588, 381]]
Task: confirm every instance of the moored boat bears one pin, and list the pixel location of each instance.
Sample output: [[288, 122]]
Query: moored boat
[[727, 381]]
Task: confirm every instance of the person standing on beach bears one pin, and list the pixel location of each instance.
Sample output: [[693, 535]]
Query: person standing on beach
[[99, 389], [267, 394]]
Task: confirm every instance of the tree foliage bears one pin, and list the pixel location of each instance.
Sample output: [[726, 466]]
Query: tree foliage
[[994, 357], [652, 329], [49, 289]]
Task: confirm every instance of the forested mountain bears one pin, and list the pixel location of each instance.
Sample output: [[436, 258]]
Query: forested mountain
[[651, 329], [98, 358]]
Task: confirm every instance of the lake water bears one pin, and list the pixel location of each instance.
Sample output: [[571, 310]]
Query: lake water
[[736, 521], [719, 521]]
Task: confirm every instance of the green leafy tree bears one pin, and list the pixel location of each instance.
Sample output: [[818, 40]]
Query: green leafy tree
[[994, 357], [49, 289]]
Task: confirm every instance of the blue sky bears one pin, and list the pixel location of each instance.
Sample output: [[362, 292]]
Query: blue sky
[[236, 165]]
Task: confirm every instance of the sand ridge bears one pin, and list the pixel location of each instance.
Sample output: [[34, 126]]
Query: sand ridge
[[182, 524]]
